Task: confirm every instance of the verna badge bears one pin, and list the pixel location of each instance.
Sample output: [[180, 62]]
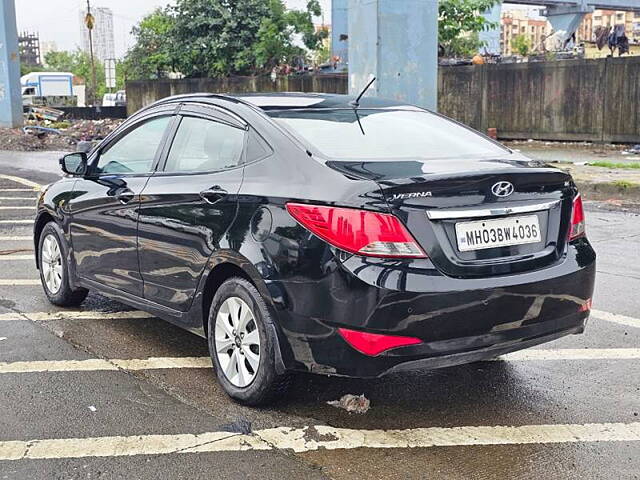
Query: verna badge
[[502, 189], [406, 196]]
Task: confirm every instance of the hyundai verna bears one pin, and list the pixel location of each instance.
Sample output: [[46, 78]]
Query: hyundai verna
[[308, 232]]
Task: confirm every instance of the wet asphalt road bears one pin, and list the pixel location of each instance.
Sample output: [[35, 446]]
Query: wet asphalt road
[[59, 405]]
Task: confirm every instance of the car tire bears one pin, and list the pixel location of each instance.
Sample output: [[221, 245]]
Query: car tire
[[54, 269], [240, 329]]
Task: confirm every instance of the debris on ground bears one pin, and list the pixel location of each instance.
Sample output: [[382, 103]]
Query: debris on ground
[[43, 114], [92, 408], [635, 150], [57, 136], [242, 426], [352, 403]]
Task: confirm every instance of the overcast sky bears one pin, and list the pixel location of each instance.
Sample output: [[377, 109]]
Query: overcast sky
[[58, 20]]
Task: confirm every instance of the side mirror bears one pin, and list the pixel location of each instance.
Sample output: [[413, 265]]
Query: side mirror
[[74, 163]]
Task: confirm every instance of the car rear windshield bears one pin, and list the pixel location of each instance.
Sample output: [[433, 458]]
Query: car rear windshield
[[382, 134]]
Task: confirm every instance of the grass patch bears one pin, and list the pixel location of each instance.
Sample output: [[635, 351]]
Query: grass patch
[[623, 184], [633, 165]]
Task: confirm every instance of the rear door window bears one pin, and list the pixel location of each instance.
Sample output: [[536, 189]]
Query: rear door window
[[203, 145]]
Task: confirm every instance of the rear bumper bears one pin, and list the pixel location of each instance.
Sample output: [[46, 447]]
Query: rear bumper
[[480, 354], [458, 320]]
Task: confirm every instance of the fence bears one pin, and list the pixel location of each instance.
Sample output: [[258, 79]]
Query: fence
[[569, 100]]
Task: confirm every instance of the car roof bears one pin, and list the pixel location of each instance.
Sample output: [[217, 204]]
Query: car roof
[[287, 100]]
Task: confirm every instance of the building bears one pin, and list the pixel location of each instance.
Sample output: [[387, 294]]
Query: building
[[47, 46], [29, 48], [585, 32], [102, 33], [522, 21]]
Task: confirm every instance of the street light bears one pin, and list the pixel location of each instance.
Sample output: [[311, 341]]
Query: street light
[[89, 22]]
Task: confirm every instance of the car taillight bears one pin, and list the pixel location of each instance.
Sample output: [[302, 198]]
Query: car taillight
[[357, 231], [577, 219], [374, 343]]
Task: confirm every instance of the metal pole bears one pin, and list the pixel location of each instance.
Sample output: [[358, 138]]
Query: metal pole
[[94, 86], [10, 89]]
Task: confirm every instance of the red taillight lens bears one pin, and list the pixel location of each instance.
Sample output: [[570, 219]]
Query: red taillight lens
[[373, 343], [577, 219], [357, 231]]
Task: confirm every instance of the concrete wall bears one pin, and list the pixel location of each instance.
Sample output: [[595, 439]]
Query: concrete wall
[[141, 93], [592, 100]]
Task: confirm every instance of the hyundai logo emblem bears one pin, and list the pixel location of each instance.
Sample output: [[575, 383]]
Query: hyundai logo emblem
[[502, 189]]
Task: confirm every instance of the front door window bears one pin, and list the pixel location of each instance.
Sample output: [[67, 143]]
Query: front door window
[[135, 152]]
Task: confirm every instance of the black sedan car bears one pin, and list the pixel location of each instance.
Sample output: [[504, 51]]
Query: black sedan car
[[309, 232]]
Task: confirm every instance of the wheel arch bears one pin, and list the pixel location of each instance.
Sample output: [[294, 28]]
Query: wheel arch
[[216, 277], [42, 219], [232, 264]]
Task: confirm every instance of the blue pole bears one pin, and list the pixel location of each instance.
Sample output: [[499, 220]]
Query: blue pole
[[397, 41], [491, 37], [10, 91], [340, 32]]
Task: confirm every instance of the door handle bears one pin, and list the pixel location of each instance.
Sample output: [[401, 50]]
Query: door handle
[[213, 194], [125, 196]]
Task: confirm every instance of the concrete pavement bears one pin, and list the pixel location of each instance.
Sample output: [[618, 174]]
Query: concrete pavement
[[560, 414]]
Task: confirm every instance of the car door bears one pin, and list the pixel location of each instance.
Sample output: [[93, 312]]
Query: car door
[[104, 207], [187, 208]]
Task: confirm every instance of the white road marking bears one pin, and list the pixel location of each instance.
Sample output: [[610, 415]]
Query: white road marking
[[18, 207], [17, 221], [307, 439], [23, 181], [41, 366], [74, 315], [16, 257], [615, 318], [16, 190], [16, 238], [18, 282], [573, 354], [98, 364], [33, 199]]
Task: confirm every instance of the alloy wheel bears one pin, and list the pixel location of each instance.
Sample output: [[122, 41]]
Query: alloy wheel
[[51, 263], [237, 342]]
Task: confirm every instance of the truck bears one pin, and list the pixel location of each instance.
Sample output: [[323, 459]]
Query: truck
[[48, 88]]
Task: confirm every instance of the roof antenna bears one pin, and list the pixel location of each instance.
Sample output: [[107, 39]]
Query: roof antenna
[[356, 103]]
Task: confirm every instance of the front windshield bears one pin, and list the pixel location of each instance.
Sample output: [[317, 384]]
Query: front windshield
[[368, 134]]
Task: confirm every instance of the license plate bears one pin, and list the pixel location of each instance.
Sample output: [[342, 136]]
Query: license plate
[[501, 232]]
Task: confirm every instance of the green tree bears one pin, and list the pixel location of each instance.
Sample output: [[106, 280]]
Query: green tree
[[25, 69], [213, 37], [274, 43], [465, 46], [521, 44], [151, 55], [78, 63], [458, 19], [200, 38]]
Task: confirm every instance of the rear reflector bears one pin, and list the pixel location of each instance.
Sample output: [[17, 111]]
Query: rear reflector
[[357, 231], [577, 219], [586, 306], [373, 343]]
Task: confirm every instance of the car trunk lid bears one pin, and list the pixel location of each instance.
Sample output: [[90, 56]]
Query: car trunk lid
[[446, 204]]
